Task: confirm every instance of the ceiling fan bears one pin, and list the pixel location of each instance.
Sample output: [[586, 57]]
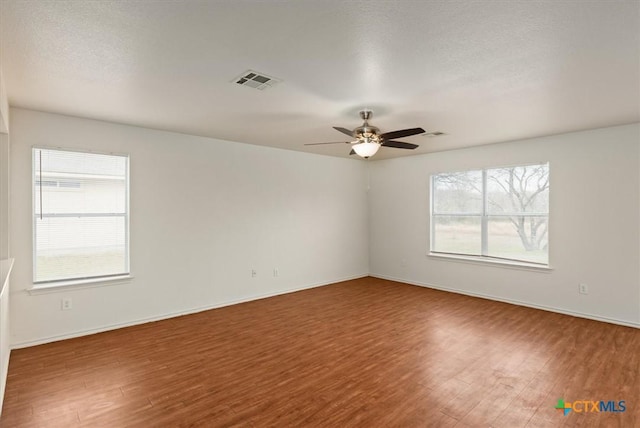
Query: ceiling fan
[[368, 138]]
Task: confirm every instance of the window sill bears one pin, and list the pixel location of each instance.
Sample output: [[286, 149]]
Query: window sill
[[77, 284], [491, 262]]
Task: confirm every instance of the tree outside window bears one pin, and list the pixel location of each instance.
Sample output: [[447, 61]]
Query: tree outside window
[[499, 212]]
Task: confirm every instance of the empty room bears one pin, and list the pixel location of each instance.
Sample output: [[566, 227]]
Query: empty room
[[319, 213]]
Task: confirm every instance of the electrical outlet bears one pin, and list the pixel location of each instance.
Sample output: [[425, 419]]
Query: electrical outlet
[[583, 289], [275, 272], [253, 273], [66, 304]]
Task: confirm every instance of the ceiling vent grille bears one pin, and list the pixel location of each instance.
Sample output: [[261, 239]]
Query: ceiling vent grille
[[256, 80]]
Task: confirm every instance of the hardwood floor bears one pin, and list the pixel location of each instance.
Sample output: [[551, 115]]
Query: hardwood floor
[[366, 353]]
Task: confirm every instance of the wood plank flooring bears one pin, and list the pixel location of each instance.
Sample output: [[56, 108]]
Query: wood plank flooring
[[363, 353]]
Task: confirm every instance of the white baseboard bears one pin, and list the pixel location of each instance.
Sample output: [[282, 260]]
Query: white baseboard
[[87, 332], [511, 301]]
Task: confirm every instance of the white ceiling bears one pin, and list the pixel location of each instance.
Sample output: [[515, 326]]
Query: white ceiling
[[482, 72]]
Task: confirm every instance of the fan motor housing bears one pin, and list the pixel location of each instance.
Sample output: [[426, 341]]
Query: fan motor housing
[[366, 131]]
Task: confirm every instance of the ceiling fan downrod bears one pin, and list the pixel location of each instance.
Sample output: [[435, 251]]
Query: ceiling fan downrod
[[366, 131]]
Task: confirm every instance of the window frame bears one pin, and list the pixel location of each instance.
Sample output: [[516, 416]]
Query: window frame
[[484, 216], [88, 280]]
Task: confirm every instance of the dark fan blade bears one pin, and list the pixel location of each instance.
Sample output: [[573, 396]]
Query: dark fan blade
[[336, 142], [402, 133], [352, 152], [399, 145], [345, 131]]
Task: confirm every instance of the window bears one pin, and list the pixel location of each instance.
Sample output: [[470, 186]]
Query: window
[[500, 213], [81, 215]]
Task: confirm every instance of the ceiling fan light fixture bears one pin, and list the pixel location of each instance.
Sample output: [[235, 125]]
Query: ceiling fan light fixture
[[368, 139], [366, 149]]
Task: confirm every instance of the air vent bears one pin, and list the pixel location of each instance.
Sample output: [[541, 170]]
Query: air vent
[[256, 80], [433, 134]]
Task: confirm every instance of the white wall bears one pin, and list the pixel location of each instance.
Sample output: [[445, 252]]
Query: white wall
[[4, 107], [204, 212], [5, 344], [5, 337], [594, 227], [4, 196]]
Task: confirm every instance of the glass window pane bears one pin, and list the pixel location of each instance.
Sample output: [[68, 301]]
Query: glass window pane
[[457, 192], [66, 162], [522, 189], [80, 215], [80, 247], [522, 238], [456, 234], [81, 195]]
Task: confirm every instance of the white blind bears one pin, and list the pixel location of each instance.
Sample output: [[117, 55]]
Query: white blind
[[80, 215]]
